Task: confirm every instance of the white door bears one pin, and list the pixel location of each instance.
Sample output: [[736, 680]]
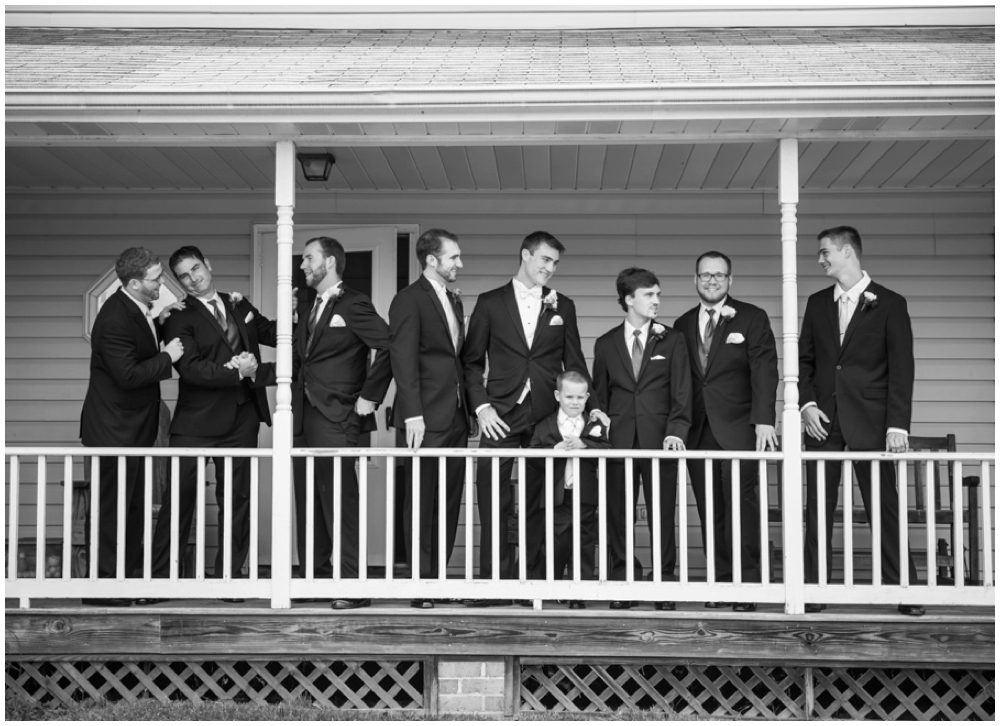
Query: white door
[[372, 253]]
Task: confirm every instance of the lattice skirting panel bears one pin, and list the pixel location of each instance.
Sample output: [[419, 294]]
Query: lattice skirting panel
[[767, 692], [369, 685]]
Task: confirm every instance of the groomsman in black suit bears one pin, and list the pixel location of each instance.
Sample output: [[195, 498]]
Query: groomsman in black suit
[[643, 382], [734, 369], [426, 333], [334, 397], [122, 408], [529, 334], [221, 402], [856, 390]]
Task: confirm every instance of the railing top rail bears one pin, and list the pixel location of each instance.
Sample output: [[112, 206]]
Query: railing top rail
[[157, 451]]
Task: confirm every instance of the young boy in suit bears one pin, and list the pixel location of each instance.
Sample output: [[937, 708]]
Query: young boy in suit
[[567, 430]]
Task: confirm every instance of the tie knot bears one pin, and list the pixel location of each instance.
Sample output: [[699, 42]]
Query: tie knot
[[636, 333], [711, 312]]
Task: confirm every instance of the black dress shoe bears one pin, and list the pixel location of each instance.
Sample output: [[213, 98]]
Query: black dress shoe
[[525, 603], [621, 605], [422, 604], [151, 600], [230, 599], [665, 605], [745, 607], [350, 604], [485, 603], [577, 605], [715, 605], [912, 610], [815, 607], [107, 602]]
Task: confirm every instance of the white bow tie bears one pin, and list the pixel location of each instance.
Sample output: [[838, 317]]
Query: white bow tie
[[535, 292]]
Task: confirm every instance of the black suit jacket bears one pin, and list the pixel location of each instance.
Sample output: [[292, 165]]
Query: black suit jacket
[[122, 406], [654, 406], [739, 387], [209, 393], [868, 381], [495, 331], [546, 435], [430, 381], [335, 367]]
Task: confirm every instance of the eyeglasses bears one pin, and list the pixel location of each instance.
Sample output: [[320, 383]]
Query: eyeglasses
[[157, 279], [717, 276]]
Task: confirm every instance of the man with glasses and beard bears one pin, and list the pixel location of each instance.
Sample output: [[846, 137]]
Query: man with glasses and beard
[[122, 408]]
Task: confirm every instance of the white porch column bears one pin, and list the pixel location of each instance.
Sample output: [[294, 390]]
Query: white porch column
[[791, 431], [281, 487]]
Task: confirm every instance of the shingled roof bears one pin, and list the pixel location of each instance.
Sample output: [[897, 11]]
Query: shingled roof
[[82, 59]]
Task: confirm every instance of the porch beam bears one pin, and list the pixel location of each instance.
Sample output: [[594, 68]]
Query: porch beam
[[216, 140], [791, 431], [281, 486]]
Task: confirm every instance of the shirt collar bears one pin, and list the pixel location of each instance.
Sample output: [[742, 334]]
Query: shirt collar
[[520, 287], [564, 419], [630, 330], [717, 307], [142, 306], [438, 286], [855, 292], [330, 292]]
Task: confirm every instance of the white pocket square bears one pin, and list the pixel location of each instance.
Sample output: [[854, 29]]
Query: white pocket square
[[249, 317], [657, 357], [337, 322], [596, 431], [736, 338], [556, 320]]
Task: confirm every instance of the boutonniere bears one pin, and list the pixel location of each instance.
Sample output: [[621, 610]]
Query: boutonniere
[[337, 295], [456, 296], [727, 313], [657, 331], [550, 301], [868, 300]]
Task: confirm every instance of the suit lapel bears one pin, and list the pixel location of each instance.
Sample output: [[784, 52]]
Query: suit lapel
[[623, 352], [832, 315], [241, 326], [323, 322], [140, 318], [720, 331], [431, 292], [693, 340], [510, 300], [647, 352], [209, 317]]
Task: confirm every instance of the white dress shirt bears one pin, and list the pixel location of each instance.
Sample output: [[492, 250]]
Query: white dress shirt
[[569, 428], [449, 311], [147, 314], [529, 305], [630, 335], [324, 298], [852, 297], [703, 316]]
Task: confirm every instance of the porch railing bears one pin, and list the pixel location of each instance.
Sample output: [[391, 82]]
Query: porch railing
[[458, 579]]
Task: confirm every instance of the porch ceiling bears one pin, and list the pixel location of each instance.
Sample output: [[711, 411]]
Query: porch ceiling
[[945, 163]]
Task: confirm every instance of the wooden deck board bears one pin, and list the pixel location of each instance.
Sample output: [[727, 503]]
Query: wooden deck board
[[845, 636]]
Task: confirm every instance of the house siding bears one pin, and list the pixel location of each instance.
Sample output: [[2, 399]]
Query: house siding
[[935, 247]]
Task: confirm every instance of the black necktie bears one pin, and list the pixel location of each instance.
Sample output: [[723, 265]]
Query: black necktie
[[636, 353], [706, 346]]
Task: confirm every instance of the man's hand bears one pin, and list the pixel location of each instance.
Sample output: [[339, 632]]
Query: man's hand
[[363, 407], [415, 429], [767, 438], [673, 443], [235, 297], [814, 420], [165, 313], [175, 349], [491, 424], [247, 365], [597, 415], [896, 442]]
